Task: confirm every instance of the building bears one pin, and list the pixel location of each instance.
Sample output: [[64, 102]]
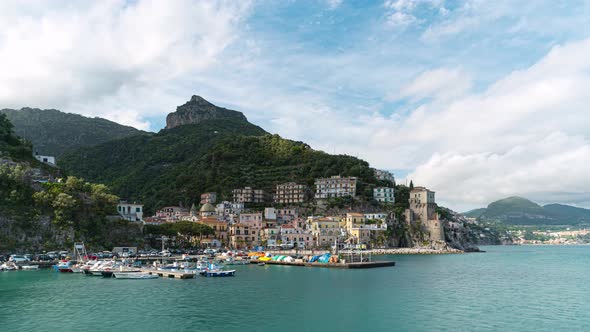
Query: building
[[292, 237], [249, 195], [384, 195], [208, 198], [383, 175], [130, 211], [287, 215], [376, 216], [335, 186], [242, 236], [252, 219], [172, 213], [45, 159], [220, 227], [226, 208], [325, 231], [207, 210], [423, 209], [270, 213], [291, 193]]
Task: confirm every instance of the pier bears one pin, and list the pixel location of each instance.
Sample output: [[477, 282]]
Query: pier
[[170, 274], [354, 265]]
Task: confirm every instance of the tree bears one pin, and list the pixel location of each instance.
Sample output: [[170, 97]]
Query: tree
[[411, 184]]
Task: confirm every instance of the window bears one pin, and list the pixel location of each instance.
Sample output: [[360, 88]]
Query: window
[[137, 209]]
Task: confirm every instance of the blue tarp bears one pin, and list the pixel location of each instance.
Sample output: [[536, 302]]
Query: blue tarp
[[314, 258], [325, 258]]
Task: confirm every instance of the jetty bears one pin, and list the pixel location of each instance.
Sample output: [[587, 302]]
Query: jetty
[[170, 274], [345, 265]]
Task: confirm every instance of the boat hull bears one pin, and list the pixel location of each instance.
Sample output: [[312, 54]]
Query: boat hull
[[228, 273]]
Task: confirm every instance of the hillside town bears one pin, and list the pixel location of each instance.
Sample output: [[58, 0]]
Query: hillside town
[[284, 224]]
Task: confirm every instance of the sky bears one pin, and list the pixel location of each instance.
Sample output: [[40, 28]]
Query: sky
[[476, 100]]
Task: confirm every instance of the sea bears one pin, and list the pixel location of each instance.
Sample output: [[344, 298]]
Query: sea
[[507, 288]]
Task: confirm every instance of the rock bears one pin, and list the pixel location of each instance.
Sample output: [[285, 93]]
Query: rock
[[198, 110]]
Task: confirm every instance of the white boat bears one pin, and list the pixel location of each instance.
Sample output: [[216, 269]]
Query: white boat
[[8, 266], [219, 273], [30, 267], [134, 275]]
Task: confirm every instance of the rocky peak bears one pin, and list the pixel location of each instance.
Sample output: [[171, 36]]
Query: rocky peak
[[197, 110]]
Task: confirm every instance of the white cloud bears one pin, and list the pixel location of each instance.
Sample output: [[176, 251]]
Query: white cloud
[[333, 4], [400, 19], [61, 54], [442, 83]]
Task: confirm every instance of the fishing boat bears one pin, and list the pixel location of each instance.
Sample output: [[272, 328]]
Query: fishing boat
[[81, 257], [134, 275], [30, 267], [219, 273]]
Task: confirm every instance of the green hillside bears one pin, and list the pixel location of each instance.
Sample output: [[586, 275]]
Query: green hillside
[[12, 146], [178, 164], [521, 211], [53, 132]]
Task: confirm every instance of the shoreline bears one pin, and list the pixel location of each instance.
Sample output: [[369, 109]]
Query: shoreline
[[377, 252]]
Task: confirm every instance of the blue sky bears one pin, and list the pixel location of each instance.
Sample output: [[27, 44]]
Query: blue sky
[[477, 100]]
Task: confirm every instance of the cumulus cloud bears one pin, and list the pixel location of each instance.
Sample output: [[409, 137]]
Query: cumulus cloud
[[61, 54], [525, 135]]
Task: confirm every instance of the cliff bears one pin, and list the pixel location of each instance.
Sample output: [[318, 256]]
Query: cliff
[[197, 110]]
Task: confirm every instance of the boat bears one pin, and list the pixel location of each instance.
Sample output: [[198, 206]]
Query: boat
[[261, 264], [81, 257], [110, 271], [30, 267], [64, 266], [134, 275], [8, 266], [219, 273]]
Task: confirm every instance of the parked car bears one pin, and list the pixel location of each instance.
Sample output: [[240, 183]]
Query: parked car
[[18, 258], [165, 253], [42, 257]]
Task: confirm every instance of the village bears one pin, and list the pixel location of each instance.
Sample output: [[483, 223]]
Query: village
[[283, 224]]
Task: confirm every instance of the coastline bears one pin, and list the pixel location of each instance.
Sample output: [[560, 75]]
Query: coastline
[[377, 252]]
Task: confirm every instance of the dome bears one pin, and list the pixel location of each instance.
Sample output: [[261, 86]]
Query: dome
[[207, 207]]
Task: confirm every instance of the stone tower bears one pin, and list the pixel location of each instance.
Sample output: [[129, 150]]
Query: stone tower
[[423, 209]]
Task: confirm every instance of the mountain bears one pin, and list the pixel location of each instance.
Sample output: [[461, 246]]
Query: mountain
[[521, 211], [202, 152], [475, 213], [198, 110], [53, 132], [12, 146]]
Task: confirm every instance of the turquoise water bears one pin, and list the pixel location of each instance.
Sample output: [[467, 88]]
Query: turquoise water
[[527, 288]]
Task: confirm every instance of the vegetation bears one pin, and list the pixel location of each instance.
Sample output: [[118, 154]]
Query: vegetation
[[10, 144], [53, 132], [176, 165], [185, 232]]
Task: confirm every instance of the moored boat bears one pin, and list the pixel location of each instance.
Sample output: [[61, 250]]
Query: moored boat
[[8, 266], [63, 266], [30, 267], [219, 273]]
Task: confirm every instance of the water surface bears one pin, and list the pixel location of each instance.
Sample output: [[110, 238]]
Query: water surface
[[527, 288]]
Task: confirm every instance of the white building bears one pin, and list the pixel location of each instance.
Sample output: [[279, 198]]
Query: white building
[[45, 159], [384, 195], [335, 186], [270, 213], [226, 208], [376, 216], [130, 211]]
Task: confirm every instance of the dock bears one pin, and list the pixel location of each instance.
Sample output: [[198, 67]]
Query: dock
[[352, 265], [170, 274]]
